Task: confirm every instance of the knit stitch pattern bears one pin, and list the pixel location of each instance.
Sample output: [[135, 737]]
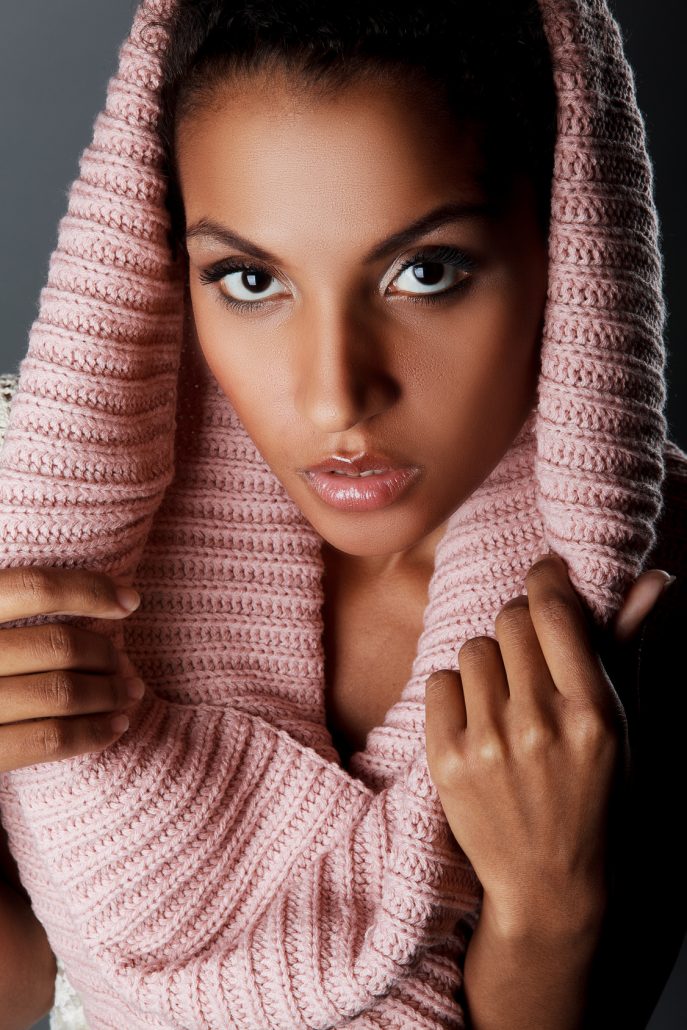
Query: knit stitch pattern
[[217, 866]]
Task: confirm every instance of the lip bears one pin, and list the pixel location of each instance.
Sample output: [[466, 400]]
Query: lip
[[359, 493], [366, 461]]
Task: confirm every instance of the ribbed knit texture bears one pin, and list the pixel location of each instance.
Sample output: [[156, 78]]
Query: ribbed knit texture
[[216, 867]]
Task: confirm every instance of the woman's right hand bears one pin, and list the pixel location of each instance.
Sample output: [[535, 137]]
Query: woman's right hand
[[60, 686]]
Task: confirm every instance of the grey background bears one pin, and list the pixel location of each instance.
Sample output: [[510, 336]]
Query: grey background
[[55, 60]]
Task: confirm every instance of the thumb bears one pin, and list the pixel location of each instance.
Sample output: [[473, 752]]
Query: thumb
[[640, 599]]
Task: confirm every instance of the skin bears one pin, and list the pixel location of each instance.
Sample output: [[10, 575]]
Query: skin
[[340, 356], [338, 362]]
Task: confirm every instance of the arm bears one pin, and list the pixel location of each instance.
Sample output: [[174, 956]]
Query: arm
[[532, 976], [27, 964], [9, 873]]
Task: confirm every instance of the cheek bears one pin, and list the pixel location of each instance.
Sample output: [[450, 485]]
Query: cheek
[[246, 373], [477, 381], [232, 362], [485, 361]]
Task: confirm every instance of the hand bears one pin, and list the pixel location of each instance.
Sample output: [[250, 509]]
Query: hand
[[523, 746], [60, 685], [640, 599]]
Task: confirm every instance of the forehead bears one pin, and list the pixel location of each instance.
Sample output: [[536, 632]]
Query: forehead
[[322, 180], [383, 138]]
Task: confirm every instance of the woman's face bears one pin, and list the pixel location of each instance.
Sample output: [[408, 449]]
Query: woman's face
[[341, 351]]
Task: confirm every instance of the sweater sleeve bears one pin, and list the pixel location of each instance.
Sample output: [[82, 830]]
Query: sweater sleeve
[[214, 866]]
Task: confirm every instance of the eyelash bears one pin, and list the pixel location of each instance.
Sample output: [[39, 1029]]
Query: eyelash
[[439, 255]]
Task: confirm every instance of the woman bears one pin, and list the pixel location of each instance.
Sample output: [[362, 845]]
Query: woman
[[297, 829]]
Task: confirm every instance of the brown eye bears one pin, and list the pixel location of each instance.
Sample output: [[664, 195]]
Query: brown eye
[[435, 273], [246, 287], [246, 282]]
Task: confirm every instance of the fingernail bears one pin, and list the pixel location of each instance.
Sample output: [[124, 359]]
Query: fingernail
[[667, 583], [120, 723], [128, 598], [135, 688]]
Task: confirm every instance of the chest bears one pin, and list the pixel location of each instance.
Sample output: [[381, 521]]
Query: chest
[[370, 640]]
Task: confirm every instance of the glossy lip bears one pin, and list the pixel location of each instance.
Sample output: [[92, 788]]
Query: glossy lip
[[368, 493]]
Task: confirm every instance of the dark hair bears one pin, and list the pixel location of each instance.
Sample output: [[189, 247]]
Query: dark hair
[[486, 61]]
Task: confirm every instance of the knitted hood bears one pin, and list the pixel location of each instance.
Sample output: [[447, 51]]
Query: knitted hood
[[216, 866]]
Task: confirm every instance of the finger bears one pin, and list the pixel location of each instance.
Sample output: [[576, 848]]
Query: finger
[[31, 590], [485, 684], [641, 598], [62, 693], [51, 740], [56, 645], [445, 715], [563, 630], [528, 675]]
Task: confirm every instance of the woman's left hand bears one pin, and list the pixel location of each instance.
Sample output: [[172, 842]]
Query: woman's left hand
[[524, 744]]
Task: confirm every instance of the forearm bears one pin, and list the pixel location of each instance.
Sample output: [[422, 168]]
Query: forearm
[[9, 873], [534, 977], [27, 964]]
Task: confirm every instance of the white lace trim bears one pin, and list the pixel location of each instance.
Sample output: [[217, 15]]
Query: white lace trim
[[8, 386], [67, 1012]]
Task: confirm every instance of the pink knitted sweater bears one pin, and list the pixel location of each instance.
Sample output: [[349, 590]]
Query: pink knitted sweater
[[217, 867]]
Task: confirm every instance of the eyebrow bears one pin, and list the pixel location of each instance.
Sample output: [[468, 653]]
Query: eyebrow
[[209, 229]]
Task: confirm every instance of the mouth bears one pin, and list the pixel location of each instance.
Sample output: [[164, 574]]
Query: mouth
[[367, 490], [364, 464]]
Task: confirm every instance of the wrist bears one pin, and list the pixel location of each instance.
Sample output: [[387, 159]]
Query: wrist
[[529, 972], [569, 916]]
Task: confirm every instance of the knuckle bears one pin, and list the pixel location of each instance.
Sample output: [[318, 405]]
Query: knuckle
[[491, 749], [98, 591], [535, 737], [50, 737], [58, 691], [59, 641], [513, 612], [477, 647], [39, 585], [449, 767], [591, 730], [539, 568], [94, 594], [554, 608], [434, 684]]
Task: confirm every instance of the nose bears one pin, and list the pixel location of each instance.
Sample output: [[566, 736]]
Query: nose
[[342, 379]]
